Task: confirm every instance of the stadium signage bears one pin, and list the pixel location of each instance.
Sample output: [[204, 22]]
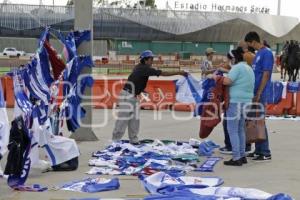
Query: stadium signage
[[241, 6]]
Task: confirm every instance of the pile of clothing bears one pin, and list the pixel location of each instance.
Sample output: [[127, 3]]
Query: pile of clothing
[[165, 186], [151, 156]]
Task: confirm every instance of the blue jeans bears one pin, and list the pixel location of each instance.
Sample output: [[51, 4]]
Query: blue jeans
[[227, 139], [236, 129]]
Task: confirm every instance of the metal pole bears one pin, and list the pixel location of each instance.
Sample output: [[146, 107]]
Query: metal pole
[[84, 21], [278, 13], [279, 8]]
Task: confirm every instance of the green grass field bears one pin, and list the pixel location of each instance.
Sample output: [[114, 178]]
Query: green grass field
[[4, 70]]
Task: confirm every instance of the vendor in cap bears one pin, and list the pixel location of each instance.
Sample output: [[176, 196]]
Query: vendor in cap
[[207, 66], [128, 115]]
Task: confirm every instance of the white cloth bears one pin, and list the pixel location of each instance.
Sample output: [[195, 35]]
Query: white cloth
[[243, 193], [34, 152], [171, 149], [103, 163], [160, 162], [205, 66], [283, 118], [103, 170], [17, 110], [168, 151], [157, 147], [59, 149], [184, 92], [194, 142], [2, 174], [100, 184], [4, 131], [284, 91], [161, 179]]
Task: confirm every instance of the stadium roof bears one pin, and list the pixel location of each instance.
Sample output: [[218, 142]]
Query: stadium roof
[[141, 24], [183, 22]]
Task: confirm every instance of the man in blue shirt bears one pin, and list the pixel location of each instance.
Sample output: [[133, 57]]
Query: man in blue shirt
[[262, 66]]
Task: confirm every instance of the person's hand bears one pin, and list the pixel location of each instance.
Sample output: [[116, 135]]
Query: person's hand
[[220, 69], [211, 76], [223, 69], [183, 73], [256, 99], [221, 65]]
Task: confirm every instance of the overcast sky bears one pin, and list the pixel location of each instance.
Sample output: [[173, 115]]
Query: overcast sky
[[288, 7]]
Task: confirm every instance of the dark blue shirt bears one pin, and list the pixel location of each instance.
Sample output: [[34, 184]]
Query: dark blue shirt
[[263, 62], [137, 80]]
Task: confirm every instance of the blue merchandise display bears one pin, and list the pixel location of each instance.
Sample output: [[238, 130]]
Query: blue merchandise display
[[209, 164], [274, 92], [92, 185]]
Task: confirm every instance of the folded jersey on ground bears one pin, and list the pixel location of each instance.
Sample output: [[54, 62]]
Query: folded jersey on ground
[[92, 185], [161, 183]]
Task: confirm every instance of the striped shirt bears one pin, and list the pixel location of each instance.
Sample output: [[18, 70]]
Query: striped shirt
[[205, 66]]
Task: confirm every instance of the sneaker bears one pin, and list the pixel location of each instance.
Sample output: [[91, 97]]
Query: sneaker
[[244, 160], [1, 171], [248, 152], [42, 164], [225, 150], [135, 143], [262, 158], [233, 163], [252, 155], [248, 149], [2, 175]]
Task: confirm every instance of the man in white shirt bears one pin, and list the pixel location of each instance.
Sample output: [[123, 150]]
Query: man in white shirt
[[207, 66]]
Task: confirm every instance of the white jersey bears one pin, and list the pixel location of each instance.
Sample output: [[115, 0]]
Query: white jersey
[[4, 124], [4, 131]]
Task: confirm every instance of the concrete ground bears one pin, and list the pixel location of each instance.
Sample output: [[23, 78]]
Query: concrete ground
[[279, 175]]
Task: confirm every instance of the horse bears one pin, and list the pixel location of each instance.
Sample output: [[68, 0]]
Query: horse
[[293, 60], [283, 60], [283, 67]]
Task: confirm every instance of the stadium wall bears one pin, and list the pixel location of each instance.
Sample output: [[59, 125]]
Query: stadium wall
[[127, 47], [131, 47], [29, 45]]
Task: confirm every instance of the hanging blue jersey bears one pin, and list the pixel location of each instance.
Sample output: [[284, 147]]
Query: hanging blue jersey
[[263, 62], [188, 90], [81, 36], [274, 92], [293, 87], [2, 101]]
